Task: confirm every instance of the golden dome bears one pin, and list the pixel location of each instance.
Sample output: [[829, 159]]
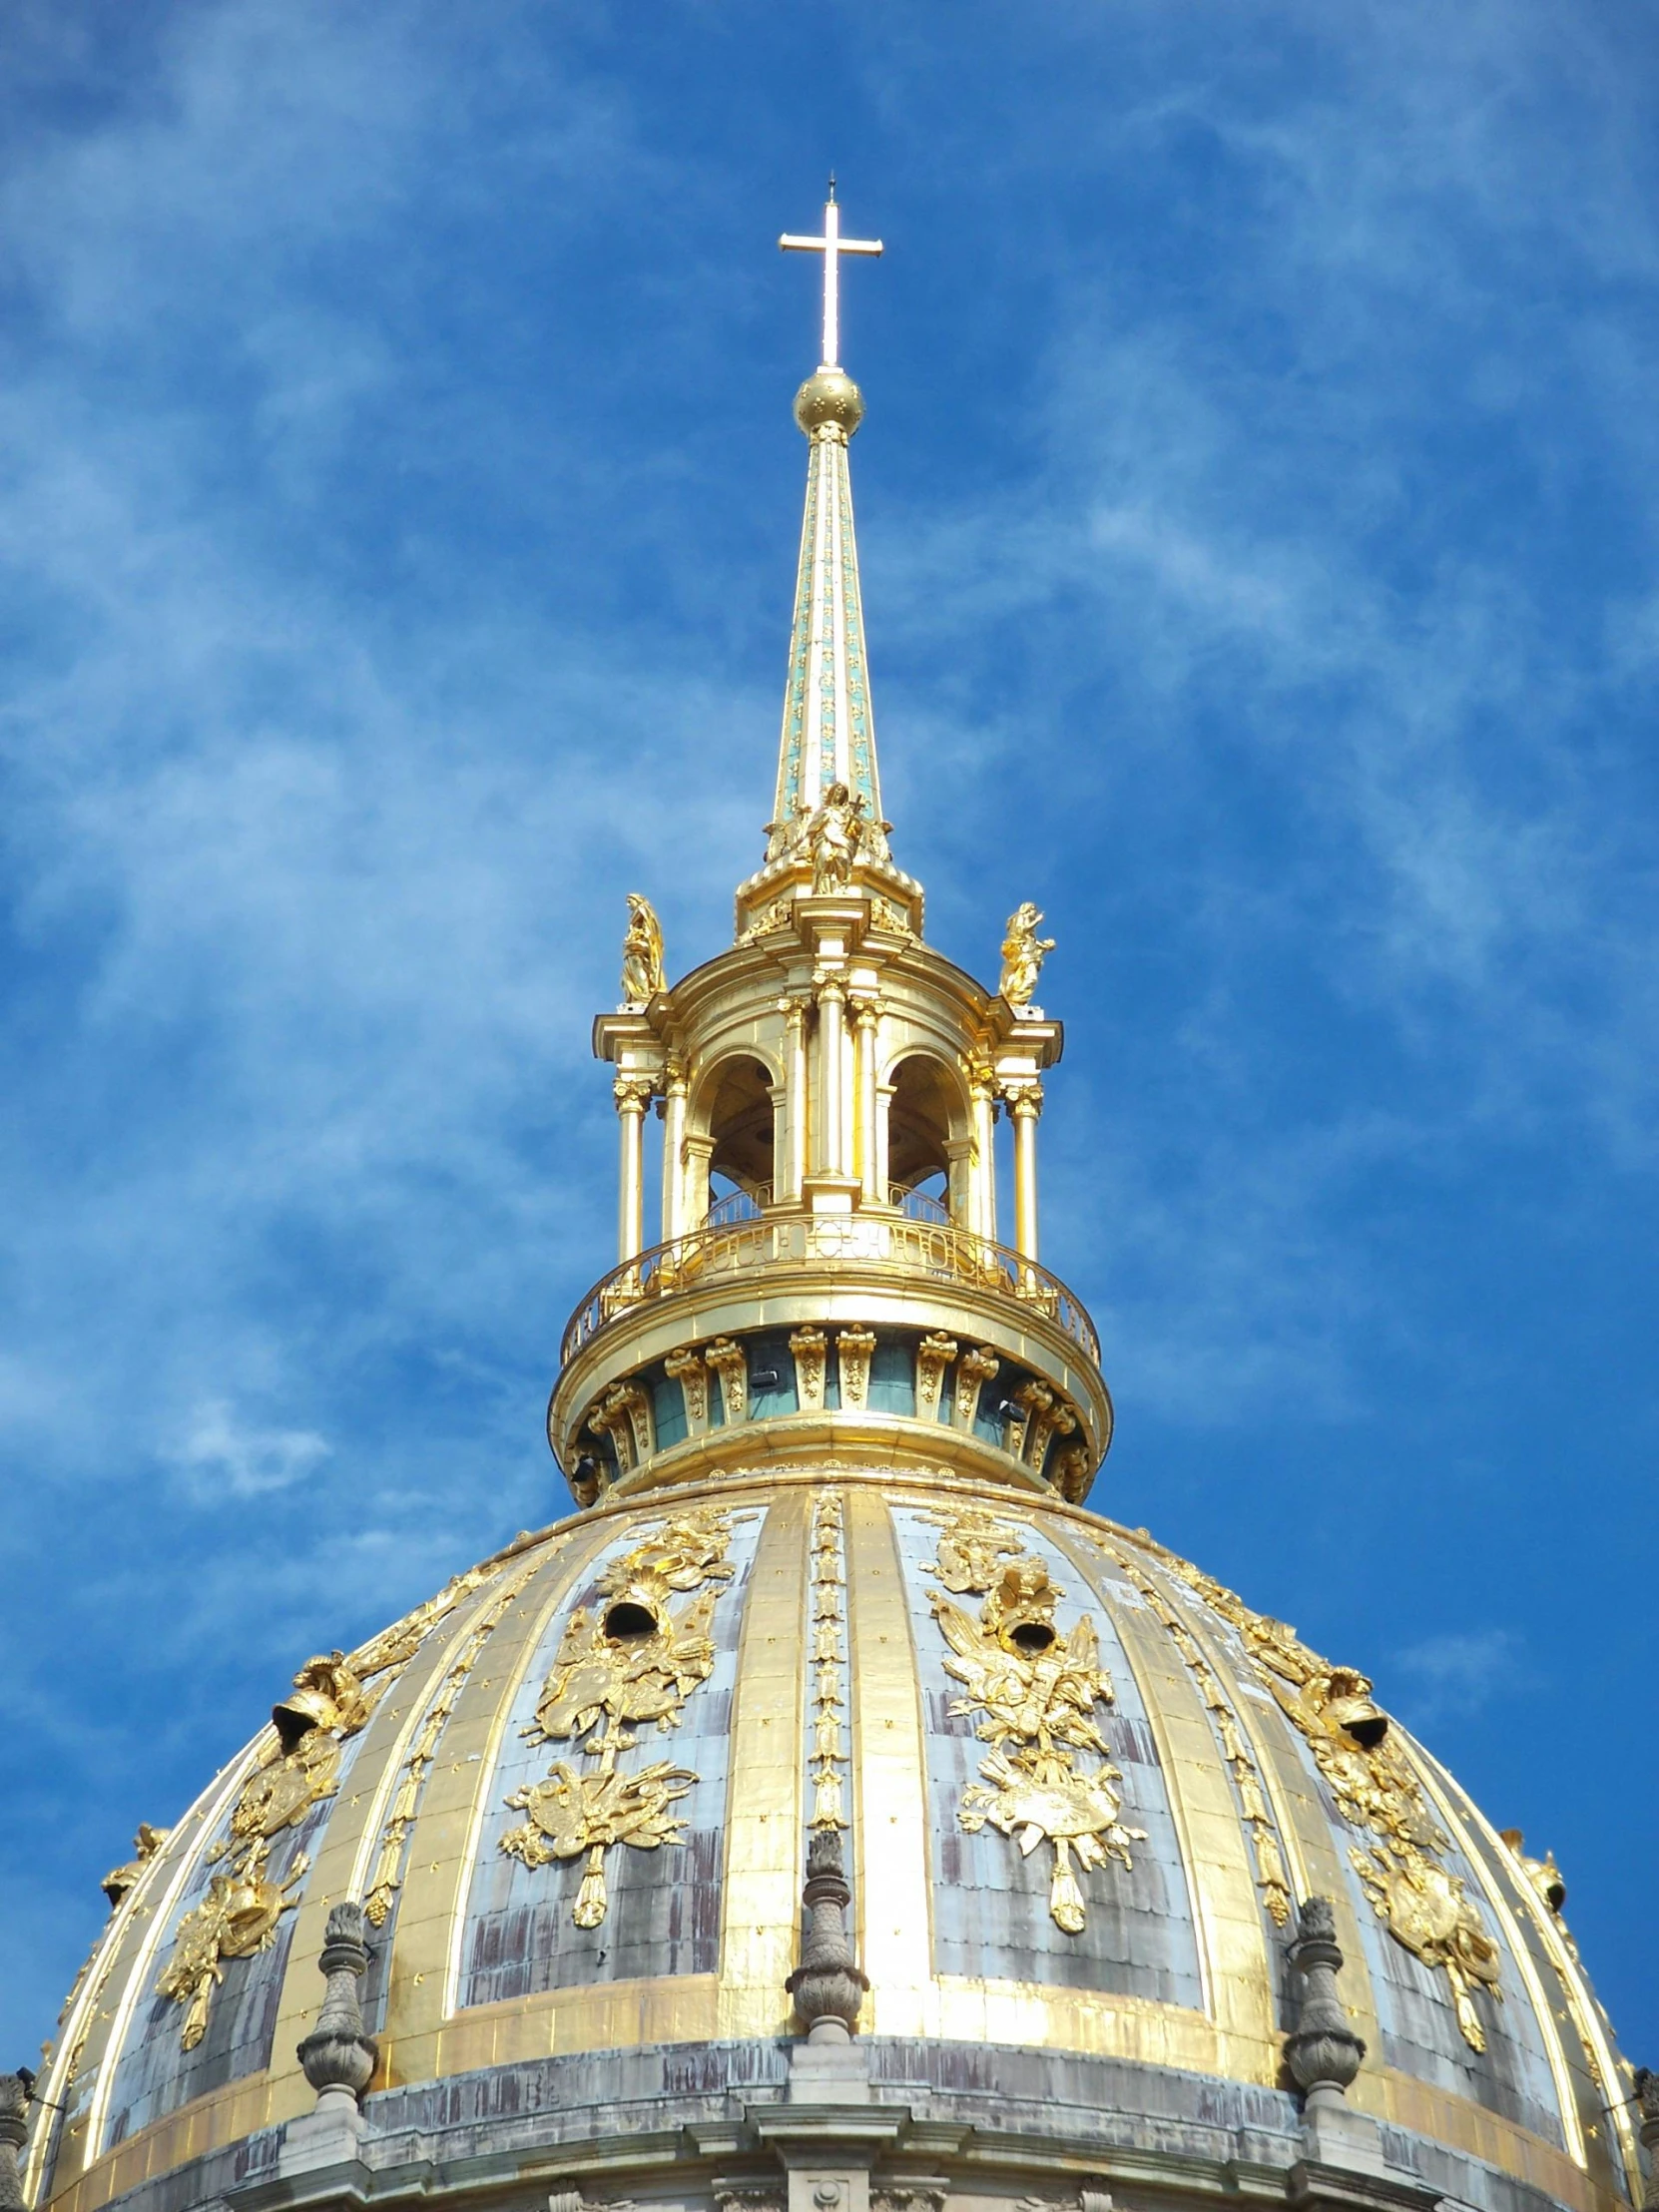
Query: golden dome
[[1147, 1895], [1081, 1785]]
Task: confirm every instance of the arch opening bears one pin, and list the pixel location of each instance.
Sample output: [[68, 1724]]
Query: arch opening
[[740, 1117], [926, 1128]]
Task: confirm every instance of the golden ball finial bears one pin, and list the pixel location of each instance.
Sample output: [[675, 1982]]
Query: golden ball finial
[[830, 397]]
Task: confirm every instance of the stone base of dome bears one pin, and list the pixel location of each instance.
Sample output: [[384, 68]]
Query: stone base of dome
[[719, 2128]]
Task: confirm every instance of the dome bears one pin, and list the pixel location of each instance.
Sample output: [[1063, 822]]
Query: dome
[[833, 1814], [1081, 1787]]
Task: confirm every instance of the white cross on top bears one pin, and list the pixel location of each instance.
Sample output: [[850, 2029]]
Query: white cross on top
[[832, 245]]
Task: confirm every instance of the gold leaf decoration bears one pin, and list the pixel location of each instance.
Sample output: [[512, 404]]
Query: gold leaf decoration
[[1422, 1904], [238, 1917], [333, 1697], [1033, 1695], [1271, 1876], [636, 1658]]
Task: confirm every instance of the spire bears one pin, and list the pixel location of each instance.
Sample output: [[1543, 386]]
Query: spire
[[826, 824], [828, 735]]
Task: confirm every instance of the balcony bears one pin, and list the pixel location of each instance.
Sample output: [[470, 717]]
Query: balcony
[[735, 1251]]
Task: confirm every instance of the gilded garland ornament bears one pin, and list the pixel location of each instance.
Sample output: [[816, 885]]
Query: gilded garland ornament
[[1422, 1904], [1033, 1694], [828, 1755], [635, 1658]]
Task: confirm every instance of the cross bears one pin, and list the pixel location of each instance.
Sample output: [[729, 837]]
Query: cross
[[832, 245]]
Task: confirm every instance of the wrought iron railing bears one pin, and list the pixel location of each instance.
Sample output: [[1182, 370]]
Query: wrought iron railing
[[739, 1206], [917, 1205], [876, 1243]]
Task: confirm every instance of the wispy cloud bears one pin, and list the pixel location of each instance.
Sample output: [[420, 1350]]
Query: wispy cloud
[[224, 1460], [1454, 1675]]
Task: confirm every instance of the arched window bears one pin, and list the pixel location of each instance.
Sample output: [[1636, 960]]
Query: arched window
[[926, 1123], [737, 1114]]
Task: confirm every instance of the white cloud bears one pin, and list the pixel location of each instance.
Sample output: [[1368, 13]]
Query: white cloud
[[226, 1460], [1456, 1673]]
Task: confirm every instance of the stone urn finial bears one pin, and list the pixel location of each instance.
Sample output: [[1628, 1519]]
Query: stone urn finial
[[14, 2131], [1323, 2053], [827, 1986], [1647, 2106], [339, 2058]]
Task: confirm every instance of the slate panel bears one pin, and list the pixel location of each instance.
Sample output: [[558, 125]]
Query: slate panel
[[663, 1911], [154, 2075], [990, 1907]]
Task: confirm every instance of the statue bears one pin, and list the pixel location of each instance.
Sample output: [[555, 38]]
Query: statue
[[1022, 954], [642, 954], [833, 836]]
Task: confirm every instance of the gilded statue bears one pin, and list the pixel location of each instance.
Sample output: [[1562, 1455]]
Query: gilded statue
[[1023, 953], [1032, 1694], [642, 954], [833, 836], [635, 1658], [1422, 1904]]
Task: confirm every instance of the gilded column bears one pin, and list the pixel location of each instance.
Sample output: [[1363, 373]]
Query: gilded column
[[796, 1083], [831, 1066], [674, 1152], [982, 1217], [865, 1015], [633, 1094], [1025, 1103], [694, 1183]]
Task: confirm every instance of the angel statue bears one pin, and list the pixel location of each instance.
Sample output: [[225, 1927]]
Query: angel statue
[[833, 836], [1022, 956], [642, 954]]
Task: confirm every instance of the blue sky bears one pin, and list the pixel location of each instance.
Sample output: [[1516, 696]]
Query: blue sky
[[1258, 514]]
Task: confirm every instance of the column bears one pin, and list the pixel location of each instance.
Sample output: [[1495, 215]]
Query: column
[[983, 1217], [832, 1069], [633, 1094], [694, 1187], [1025, 1103], [865, 1015], [674, 1152], [792, 1163]]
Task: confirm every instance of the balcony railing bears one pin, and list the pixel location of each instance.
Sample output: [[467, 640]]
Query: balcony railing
[[862, 1243], [917, 1205]]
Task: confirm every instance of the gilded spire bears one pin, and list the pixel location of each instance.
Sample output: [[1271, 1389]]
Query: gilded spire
[[826, 828], [828, 735]]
